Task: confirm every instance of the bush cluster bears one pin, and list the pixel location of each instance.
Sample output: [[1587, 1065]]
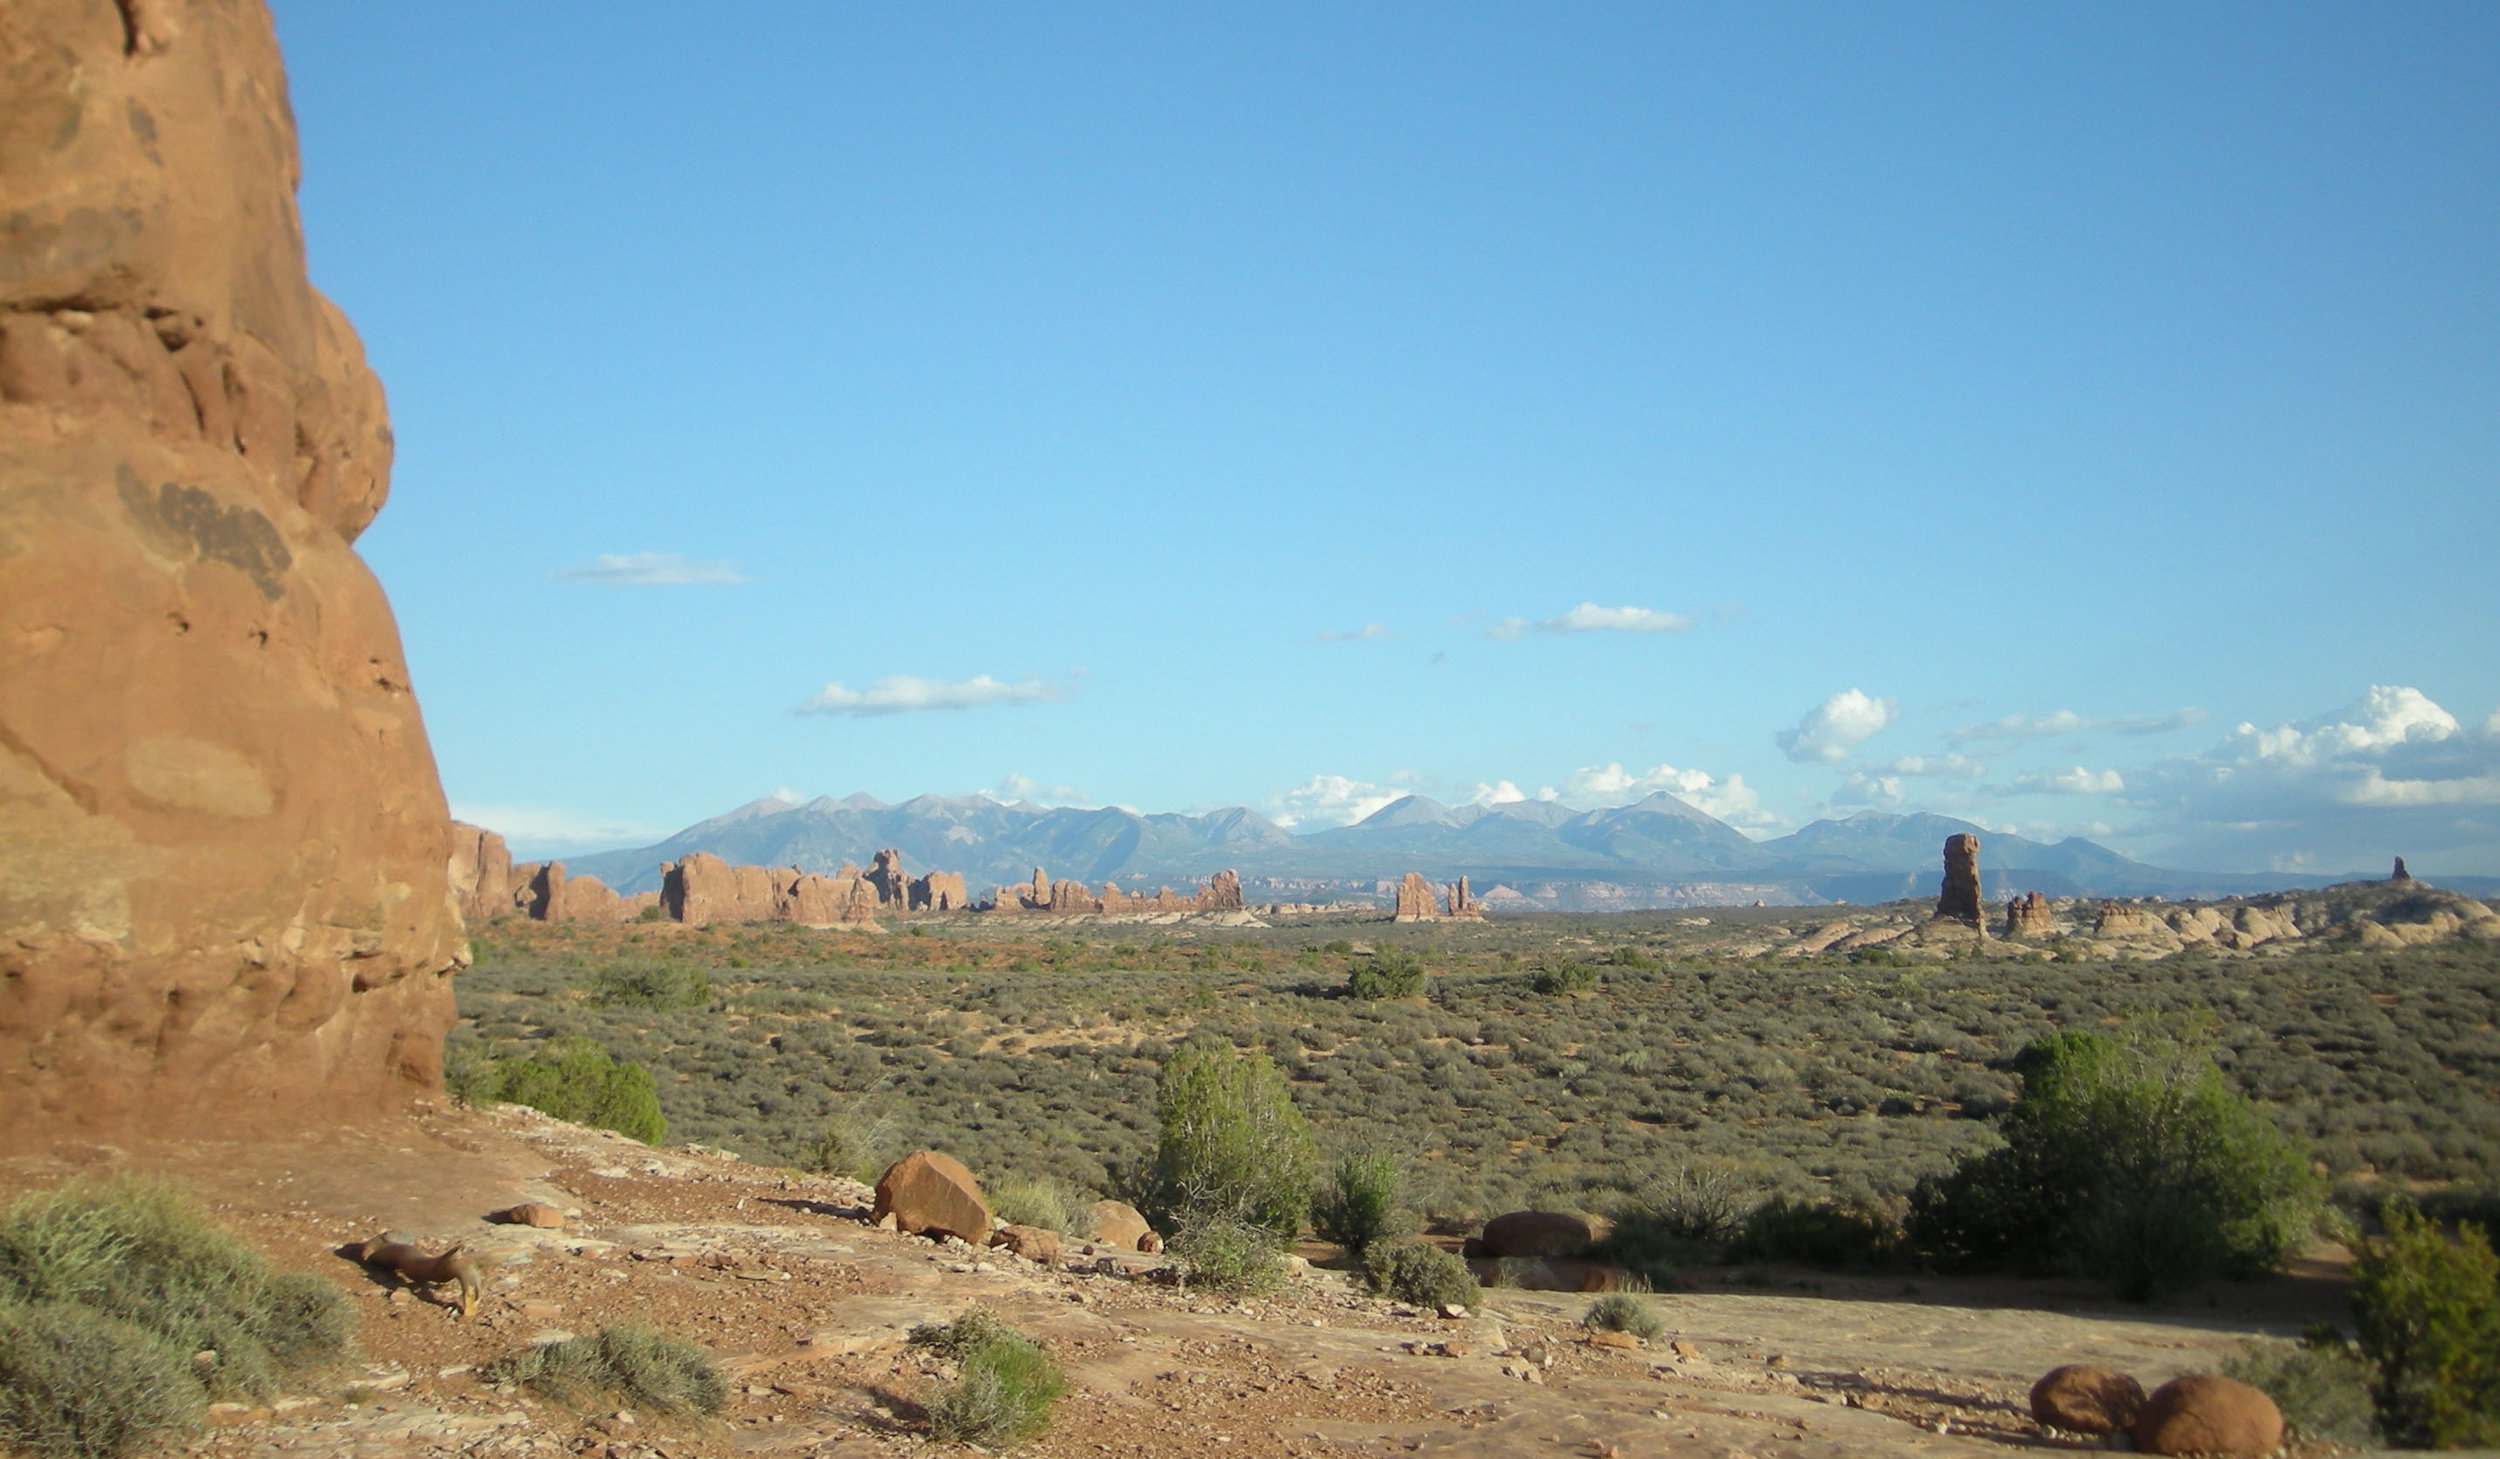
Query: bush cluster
[[1421, 1273], [1624, 1312], [2127, 1161], [1233, 1146], [107, 1293], [1005, 1388], [2428, 1307], [1389, 974], [630, 1362], [1359, 1203], [571, 1078]]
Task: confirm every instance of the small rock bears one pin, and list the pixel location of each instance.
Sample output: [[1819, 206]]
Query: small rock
[[547, 1337], [1776, 1360], [1683, 1349], [542, 1311], [1454, 1309], [532, 1213], [1453, 1349], [1613, 1340]]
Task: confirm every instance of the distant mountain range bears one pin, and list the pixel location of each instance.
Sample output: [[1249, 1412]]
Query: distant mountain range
[[1658, 852]]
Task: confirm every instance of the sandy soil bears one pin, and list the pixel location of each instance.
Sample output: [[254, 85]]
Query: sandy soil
[[806, 1306]]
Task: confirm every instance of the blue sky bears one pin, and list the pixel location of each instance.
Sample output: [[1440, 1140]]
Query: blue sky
[[2080, 419]]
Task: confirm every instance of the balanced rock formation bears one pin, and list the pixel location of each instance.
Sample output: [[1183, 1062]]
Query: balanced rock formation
[[222, 842], [2206, 1413], [934, 1195], [2083, 1399], [1418, 901], [2029, 916], [1960, 899]]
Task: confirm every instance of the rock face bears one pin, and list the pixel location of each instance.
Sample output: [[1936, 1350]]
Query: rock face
[[934, 1195], [1542, 1233], [2083, 1399], [2205, 1413], [2122, 919], [223, 847], [1960, 900], [480, 873], [940, 891], [2029, 916]]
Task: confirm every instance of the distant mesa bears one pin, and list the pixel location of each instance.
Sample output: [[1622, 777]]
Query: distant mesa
[[1417, 902]]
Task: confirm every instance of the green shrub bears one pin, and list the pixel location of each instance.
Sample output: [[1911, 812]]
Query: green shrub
[[141, 1251], [2125, 1161], [1233, 1146], [855, 1140], [2322, 1386], [1390, 973], [1624, 1312], [106, 1292], [1039, 1200], [630, 1362], [2428, 1307], [1840, 1237], [76, 1384], [650, 986], [1358, 1205], [1561, 978], [1698, 1203], [575, 1079], [1421, 1273], [1005, 1388], [1225, 1254]]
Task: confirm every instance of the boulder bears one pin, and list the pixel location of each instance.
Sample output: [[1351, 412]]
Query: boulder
[[1033, 1243], [1542, 1233], [532, 1213], [2084, 1399], [2206, 1413], [933, 1195], [224, 850], [1117, 1224], [1959, 900]]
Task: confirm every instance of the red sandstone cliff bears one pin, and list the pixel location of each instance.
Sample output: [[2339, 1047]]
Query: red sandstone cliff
[[222, 843]]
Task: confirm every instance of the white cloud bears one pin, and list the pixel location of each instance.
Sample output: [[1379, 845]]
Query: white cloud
[[1590, 618], [907, 694], [1014, 787], [649, 570], [1503, 792], [1948, 766], [1833, 728], [2075, 781], [2067, 722], [537, 832], [1330, 800], [1368, 633], [1730, 800], [2391, 773]]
